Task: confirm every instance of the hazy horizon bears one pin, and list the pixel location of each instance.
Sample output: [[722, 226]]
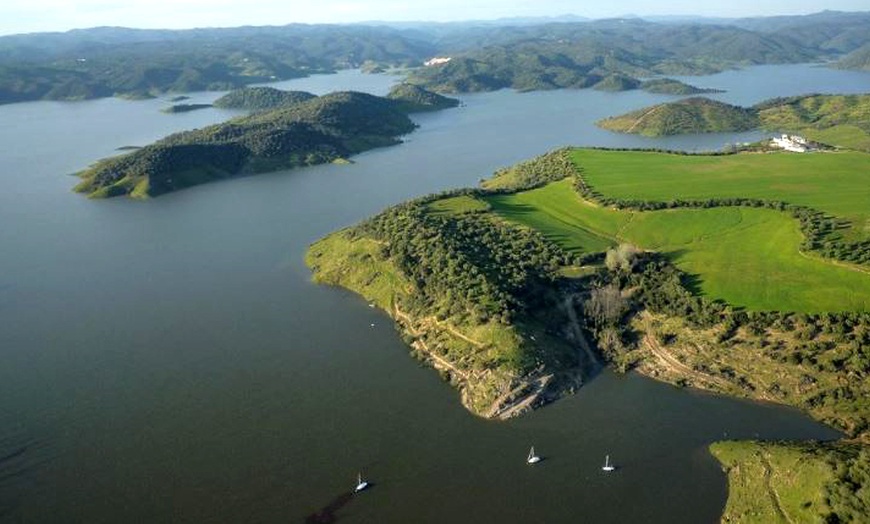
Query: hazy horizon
[[57, 15]]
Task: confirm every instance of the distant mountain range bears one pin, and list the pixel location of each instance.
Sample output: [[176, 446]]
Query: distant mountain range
[[522, 53]]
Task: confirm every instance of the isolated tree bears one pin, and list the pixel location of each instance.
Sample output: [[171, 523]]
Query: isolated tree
[[606, 305], [622, 258]]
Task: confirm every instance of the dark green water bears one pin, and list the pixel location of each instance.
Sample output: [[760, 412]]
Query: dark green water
[[169, 361]]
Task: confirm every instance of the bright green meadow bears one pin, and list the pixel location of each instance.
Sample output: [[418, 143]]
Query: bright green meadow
[[748, 257], [837, 183]]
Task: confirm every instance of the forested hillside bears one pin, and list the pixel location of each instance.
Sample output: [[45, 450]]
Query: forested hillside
[[691, 115], [835, 120], [858, 59], [585, 54], [314, 131], [261, 98], [613, 54], [104, 62]]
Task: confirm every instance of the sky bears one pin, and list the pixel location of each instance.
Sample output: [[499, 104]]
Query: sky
[[26, 16]]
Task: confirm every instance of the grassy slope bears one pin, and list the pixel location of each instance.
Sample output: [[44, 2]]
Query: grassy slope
[[773, 483], [840, 120], [710, 243], [836, 120], [836, 183], [476, 356], [356, 264]]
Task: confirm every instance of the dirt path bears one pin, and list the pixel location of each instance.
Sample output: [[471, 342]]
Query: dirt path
[[577, 331], [453, 331], [774, 496], [444, 363], [439, 362], [670, 363], [639, 120], [838, 263]]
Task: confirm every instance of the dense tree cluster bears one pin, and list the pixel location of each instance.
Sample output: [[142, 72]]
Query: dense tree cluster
[[318, 130], [549, 167], [261, 98], [468, 265], [849, 495], [412, 99], [691, 115]]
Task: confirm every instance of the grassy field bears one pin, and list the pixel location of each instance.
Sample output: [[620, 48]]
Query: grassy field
[[845, 135], [836, 183], [746, 256], [457, 205], [773, 483]]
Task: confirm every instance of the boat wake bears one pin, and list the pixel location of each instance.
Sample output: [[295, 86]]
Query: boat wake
[[326, 515], [18, 463]]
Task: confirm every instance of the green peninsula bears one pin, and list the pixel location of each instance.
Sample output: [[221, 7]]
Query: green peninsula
[[313, 131], [745, 282], [836, 120]]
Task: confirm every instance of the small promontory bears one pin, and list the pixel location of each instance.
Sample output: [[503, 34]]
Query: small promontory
[[669, 86], [415, 99]]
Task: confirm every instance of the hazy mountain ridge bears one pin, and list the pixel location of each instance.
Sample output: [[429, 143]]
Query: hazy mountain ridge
[[521, 54]]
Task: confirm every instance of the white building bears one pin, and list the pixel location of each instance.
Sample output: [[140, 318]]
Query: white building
[[794, 143], [438, 60]]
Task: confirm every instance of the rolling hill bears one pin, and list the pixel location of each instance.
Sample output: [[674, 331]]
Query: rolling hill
[[691, 115], [314, 131]]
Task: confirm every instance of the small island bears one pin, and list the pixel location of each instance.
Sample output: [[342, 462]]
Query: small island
[[184, 108], [314, 131]]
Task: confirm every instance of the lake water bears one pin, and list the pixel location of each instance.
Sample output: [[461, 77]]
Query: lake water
[[170, 361]]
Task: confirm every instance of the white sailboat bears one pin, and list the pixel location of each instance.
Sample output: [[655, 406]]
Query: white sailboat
[[607, 465], [532, 458], [360, 483]]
